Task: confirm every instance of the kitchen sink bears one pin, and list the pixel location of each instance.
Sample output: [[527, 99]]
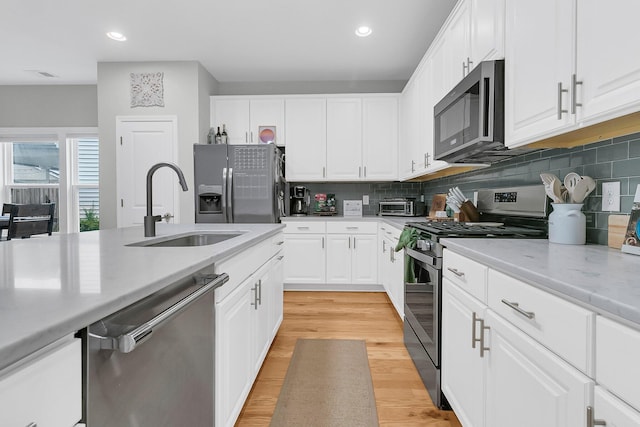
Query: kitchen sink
[[190, 239]]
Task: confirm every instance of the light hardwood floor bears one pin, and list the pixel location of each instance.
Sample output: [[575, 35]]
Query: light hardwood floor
[[401, 398]]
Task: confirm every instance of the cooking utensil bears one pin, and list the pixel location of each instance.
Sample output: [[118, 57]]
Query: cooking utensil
[[590, 183], [580, 191], [552, 187], [470, 211], [570, 181]]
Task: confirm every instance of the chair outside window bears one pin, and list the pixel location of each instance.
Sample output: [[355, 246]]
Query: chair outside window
[[30, 219]]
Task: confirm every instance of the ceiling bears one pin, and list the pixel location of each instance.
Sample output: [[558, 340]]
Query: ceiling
[[235, 40]]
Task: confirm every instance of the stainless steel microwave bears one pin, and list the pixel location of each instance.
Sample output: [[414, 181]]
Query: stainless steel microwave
[[469, 120], [401, 207]]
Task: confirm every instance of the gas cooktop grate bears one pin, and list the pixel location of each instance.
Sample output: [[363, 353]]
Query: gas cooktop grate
[[452, 228]]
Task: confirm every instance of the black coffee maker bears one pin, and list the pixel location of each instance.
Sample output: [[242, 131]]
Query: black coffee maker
[[299, 197]]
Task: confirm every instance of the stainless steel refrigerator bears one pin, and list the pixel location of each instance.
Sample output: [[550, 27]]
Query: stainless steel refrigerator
[[238, 183]]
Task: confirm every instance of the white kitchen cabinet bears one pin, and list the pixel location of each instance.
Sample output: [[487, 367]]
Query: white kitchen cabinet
[[391, 266], [362, 138], [529, 386], [487, 30], [576, 73], [617, 355], [243, 116], [233, 347], [305, 252], [503, 363], [276, 294], [463, 372], [409, 129], [538, 68], [46, 389], [306, 136], [351, 252], [614, 412], [344, 139], [608, 69], [245, 309], [380, 138]]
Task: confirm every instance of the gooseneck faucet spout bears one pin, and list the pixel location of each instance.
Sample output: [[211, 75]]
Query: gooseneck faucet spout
[[149, 219]]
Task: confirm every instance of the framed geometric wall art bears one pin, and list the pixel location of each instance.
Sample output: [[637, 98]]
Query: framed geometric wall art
[[146, 89]]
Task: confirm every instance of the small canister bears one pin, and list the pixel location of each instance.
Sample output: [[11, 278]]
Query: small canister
[[567, 224]]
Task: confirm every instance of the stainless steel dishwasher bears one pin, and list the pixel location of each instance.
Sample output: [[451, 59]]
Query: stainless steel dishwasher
[[152, 363]]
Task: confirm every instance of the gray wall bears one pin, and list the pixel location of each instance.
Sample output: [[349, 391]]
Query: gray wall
[[616, 159], [183, 82], [49, 106], [288, 88]]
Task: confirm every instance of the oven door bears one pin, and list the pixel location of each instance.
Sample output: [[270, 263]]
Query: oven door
[[423, 289]]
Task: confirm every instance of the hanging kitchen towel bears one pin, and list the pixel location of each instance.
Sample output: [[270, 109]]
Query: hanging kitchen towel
[[408, 239]]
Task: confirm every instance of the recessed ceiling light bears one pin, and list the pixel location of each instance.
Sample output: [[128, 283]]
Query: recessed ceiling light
[[119, 37], [363, 31]]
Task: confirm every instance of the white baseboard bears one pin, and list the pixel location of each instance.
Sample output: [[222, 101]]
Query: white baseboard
[[333, 287]]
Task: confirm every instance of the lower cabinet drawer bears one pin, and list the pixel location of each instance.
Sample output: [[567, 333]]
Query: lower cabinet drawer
[[352, 227], [618, 360], [469, 275], [304, 227], [46, 391], [563, 327]]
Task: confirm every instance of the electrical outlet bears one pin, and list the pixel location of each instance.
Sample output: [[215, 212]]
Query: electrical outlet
[[611, 196], [365, 199]]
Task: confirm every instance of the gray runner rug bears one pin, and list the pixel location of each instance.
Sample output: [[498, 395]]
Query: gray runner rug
[[328, 383]]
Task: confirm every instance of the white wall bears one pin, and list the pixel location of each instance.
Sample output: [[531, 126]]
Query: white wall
[[183, 82], [48, 106]]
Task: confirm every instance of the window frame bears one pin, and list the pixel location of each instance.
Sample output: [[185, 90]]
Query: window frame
[[68, 209]]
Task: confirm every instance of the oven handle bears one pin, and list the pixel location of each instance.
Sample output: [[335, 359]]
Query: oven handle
[[423, 260], [126, 343]]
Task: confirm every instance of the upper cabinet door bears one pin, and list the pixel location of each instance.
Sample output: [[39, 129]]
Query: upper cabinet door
[[539, 46], [456, 55], [344, 139], [267, 112], [380, 138], [607, 61], [408, 129], [487, 30], [234, 114], [306, 136]]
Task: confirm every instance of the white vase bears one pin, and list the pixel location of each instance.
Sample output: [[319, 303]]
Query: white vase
[[567, 224]]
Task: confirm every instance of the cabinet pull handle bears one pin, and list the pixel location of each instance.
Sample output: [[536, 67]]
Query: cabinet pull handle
[[349, 242], [255, 297], [246, 137], [480, 340], [260, 291], [384, 246], [251, 137], [365, 171], [413, 166], [574, 95], [464, 67], [516, 307], [352, 227], [281, 241], [469, 64], [354, 242], [456, 272], [323, 243], [32, 424], [324, 172], [560, 92], [303, 228], [392, 256], [280, 257], [426, 160], [591, 421], [359, 171]]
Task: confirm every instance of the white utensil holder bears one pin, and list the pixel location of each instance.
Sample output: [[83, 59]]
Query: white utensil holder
[[567, 224]]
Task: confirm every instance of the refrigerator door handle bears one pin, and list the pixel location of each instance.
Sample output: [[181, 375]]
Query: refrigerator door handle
[[224, 194], [230, 196]]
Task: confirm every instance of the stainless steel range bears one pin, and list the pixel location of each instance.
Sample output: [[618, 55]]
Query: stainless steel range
[[515, 212]]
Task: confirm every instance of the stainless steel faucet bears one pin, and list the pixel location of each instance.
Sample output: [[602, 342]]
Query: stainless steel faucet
[[149, 219]]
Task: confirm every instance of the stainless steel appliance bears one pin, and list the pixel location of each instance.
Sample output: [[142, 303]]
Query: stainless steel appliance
[[299, 200], [469, 120], [152, 363], [516, 212], [406, 206], [238, 183]]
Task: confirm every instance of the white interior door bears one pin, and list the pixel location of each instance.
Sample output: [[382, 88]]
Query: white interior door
[[143, 142]]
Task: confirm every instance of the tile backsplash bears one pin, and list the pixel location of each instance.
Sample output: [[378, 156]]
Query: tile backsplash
[[611, 160]]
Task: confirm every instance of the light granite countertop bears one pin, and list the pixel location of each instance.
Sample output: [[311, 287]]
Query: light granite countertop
[[602, 279], [54, 286]]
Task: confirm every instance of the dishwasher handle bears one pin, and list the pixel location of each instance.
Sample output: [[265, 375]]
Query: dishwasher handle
[[126, 343]]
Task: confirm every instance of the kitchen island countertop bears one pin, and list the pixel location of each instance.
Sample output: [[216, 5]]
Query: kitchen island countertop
[[54, 286], [597, 277]]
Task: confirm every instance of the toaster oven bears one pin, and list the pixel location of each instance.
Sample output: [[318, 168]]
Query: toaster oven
[[401, 207]]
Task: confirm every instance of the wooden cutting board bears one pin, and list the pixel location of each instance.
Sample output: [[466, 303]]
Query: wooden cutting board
[[617, 229]]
